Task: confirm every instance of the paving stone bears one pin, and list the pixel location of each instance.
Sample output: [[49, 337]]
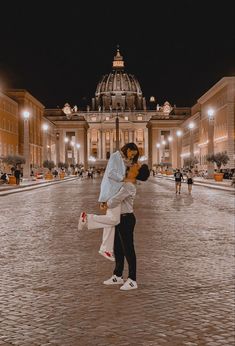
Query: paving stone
[[51, 275]]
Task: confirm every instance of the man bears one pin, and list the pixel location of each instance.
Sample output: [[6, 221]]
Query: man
[[124, 231], [178, 179], [17, 175]]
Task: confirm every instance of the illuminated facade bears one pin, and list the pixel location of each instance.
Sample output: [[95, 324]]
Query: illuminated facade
[[9, 137], [166, 135]]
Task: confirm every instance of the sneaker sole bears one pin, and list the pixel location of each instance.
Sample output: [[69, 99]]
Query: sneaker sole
[[128, 289], [113, 283]]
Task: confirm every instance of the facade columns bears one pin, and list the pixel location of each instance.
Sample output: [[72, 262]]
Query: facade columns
[[99, 144], [210, 165], [26, 171], [103, 146], [57, 148], [111, 142], [88, 143], [146, 142], [122, 138]]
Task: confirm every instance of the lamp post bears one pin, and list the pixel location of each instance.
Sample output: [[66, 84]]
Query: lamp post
[[210, 165], [45, 147], [26, 172], [179, 135]]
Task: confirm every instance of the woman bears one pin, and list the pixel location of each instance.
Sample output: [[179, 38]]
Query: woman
[[189, 176]]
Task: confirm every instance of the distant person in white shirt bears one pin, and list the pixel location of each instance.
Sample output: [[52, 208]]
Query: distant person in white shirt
[[111, 183]]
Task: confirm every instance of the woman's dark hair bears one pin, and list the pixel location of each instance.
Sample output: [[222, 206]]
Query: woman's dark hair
[[144, 173], [131, 146]]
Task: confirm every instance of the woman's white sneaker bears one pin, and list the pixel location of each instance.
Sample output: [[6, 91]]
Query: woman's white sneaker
[[129, 285], [114, 280]]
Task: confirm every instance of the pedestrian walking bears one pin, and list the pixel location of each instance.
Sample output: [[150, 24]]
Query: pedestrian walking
[[189, 177], [178, 179]]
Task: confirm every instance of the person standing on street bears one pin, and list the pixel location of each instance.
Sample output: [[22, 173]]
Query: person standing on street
[[189, 176], [17, 175], [178, 179]]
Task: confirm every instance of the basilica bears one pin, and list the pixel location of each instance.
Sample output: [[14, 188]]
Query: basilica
[[119, 113]]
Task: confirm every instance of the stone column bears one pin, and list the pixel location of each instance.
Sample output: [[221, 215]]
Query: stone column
[[179, 150], [26, 169], [111, 142], [146, 152], [103, 146], [210, 165], [99, 145], [57, 148], [88, 143]]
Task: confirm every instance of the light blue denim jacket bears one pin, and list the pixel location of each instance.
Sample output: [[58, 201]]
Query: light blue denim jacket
[[113, 176]]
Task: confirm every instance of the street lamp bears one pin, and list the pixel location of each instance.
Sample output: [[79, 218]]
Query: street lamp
[[178, 133], [210, 165], [26, 171]]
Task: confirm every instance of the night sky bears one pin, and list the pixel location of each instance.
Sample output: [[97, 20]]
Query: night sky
[[59, 52]]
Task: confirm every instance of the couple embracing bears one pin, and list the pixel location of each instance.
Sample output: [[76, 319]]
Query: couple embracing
[[117, 193]]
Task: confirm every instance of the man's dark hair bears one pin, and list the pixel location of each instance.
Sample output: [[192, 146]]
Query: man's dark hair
[[144, 173], [131, 146]]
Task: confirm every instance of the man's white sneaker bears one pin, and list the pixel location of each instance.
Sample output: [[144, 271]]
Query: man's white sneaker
[[107, 255], [82, 223], [129, 285], [114, 280]]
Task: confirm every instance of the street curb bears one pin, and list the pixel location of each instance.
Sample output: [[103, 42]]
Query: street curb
[[35, 186], [211, 186]]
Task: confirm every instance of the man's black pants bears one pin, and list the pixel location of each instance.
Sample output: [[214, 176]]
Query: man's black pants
[[124, 245]]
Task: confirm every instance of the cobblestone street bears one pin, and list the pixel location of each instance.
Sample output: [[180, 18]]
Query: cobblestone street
[[51, 276]]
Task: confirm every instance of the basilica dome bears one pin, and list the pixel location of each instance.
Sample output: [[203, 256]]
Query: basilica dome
[[118, 90]]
